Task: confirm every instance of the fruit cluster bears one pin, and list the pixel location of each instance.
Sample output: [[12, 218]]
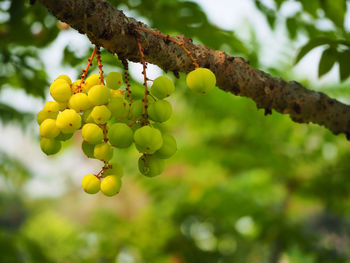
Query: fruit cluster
[[108, 119]]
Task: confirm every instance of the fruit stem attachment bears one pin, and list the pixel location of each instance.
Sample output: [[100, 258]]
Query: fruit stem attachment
[[99, 62], [84, 74], [145, 99], [171, 39], [126, 74]]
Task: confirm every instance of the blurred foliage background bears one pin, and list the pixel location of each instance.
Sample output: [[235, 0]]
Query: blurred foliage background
[[242, 188]]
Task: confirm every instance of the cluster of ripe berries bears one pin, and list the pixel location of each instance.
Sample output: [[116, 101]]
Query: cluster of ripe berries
[[108, 119]]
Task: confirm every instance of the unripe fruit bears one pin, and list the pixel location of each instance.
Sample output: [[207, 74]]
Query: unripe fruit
[[119, 108], [68, 121], [43, 115], [162, 87], [87, 118], [147, 139], [88, 149], [137, 109], [79, 102], [168, 148], [60, 90], [103, 152], [49, 129], [50, 146], [151, 166], [100, 114], [201, 80], [114, 80], [120, 135], [116, 169], [64, 136], [66, 78], [111, 185], [160, 111], [90, 81], [117, 93], [99, 95], [51, 106], [92, 133], [90, 184]]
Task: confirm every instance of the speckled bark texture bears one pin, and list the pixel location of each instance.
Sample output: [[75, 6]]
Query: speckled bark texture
[[108, 27]]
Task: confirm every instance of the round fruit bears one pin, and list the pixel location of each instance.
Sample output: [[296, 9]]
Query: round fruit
[[150, 165], [87, 118], [90, 184], [137, 109], [103, 152], [201, 80], [119, 108], [117, 93], [92, 133], [43, 115], [51, 106], [88, 149], [147, 139], [64, 136], [60, 90], [62, 105], [114, 80], [50, 146], [68, 121], [99, 95], [100, 114], [115, 169], [79, 102], [49, 129], [162, 87], [111, 185], [66, 78], [91, 81], [160, 111], [168, 148], [120, 135]]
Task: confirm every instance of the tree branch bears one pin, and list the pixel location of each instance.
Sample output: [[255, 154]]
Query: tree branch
[[108, 27]]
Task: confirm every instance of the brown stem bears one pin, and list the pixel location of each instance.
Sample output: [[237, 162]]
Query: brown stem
[[126, 74], [83, 76]]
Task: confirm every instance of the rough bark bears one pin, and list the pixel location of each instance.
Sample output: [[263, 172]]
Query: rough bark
[[108, 27]]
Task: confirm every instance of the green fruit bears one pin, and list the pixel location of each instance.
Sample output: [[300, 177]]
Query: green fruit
[[66, 78], [147, 139], [90, 184], [201, 80], [168, 148], [86, 117], [151, 166], [49, 129], [99, 95], [79, 102], [160, 111], [43, 115], [60, 90], [88, 149], [137, 109], [114, 80], [162, 87], [92, 133], [100, 114], [119, 108], [115, 169], [111, 185], [64, 136], [103, 151], [50, 146], [91, 81], [68, 121], [51, 106], [120, 135], [117, 93]]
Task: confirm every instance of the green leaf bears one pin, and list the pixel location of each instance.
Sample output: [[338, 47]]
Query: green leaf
[[292, 27], [335, 10], [328, 58], [344, 64], [311, 45], [311, 6]]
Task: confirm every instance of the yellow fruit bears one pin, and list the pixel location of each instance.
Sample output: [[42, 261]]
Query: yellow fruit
[[60, 90], [92, 133], [117, 93], [103, 152], [90, 184], [68, 121], [111, 185], [66, 78], [43, 115], [99, 95], [201, 80], [51, 106], [79, 102], [100, 114], [91, 81], [49, 129]]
